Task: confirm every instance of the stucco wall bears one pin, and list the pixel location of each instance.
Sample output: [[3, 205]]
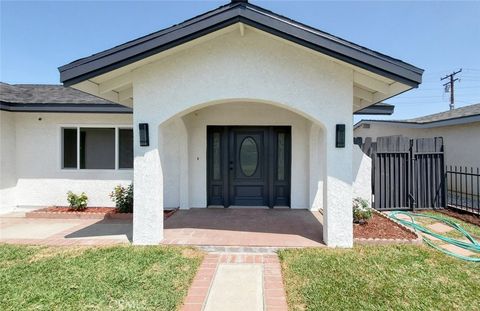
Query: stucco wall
[[362, 175], [36, 149], [257, 68], [461, 142], [8, 177]]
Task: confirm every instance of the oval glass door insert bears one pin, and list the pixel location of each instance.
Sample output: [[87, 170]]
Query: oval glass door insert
[[248, 156]]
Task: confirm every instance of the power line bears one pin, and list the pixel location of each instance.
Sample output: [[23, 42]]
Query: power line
[[450, 86]]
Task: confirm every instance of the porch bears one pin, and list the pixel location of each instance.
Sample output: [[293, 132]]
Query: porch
[[242, 227], [248, 227]]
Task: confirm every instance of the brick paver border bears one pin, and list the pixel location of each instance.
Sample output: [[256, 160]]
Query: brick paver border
[[273, 289]]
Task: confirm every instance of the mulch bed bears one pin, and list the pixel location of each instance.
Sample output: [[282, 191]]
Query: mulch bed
[[106, 212], [379, 227], [88, 210], [465, 216]]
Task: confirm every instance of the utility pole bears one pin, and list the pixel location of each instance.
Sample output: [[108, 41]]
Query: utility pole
[[450, 85]]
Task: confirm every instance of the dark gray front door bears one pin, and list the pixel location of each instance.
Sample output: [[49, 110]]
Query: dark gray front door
[[248, 165]]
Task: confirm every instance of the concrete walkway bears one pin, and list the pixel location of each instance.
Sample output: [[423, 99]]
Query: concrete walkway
[[237, 281], [16, 229]]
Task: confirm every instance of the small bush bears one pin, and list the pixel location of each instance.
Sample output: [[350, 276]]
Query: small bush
[[123, 198], [361, 211], [77, 202]]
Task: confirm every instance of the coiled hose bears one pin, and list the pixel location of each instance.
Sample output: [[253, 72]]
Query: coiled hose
[[473, 245]]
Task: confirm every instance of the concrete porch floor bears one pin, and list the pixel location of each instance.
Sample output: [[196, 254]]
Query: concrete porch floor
[[203, 227], [245, 227]]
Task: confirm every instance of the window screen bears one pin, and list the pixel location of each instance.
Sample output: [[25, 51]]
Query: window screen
[[125, 148], [69, 149], [97, 148]]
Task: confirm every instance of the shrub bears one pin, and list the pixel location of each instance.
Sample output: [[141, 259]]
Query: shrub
[[361, 211], [123, 198], [77, 202]]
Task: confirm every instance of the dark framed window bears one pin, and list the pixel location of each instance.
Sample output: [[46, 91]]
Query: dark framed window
[[69, 148], [125, 148], [97, 148]]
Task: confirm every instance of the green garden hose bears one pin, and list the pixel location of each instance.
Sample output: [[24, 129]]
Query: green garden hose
[[473, 245]]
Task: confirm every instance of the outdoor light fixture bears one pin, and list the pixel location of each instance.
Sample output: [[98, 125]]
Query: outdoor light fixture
[[144, 141], [340, 136]]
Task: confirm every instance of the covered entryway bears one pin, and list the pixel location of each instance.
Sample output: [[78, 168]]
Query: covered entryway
[[248, 165], [245, 228], [272, 71]]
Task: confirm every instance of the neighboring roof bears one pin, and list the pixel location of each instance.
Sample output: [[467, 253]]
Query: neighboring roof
[[462, 115], [53, 98], [249, 14], [377, 109]]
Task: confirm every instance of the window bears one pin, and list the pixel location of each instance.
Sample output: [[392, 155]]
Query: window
[[125, 148], [69, 137], [216, 156], [248, 156], [97, 148], [281, 156]]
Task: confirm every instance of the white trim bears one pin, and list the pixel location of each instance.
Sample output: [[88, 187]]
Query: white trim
[[80, 126], [117, 153], [78, 148]]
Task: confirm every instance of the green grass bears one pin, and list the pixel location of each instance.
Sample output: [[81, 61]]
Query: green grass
[[107, 278], [379, 278], [472, 229]]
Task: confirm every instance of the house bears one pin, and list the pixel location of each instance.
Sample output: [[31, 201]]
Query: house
[[238, 106], [38, 153], [460, 129]]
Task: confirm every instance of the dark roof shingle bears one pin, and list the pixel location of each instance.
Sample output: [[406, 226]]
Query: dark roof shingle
[[46, 94], [461, 112], [53, 98]]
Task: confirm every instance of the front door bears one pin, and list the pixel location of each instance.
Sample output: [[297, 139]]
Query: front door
[[248, 165]]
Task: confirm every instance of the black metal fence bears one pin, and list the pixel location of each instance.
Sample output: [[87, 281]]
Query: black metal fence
[[463, 188], [406, 173]]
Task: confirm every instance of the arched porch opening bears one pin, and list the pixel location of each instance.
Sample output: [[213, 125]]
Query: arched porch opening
[[174, 169]]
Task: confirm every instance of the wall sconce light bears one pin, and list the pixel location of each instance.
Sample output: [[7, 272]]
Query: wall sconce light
[[144, 140], [340, 136]]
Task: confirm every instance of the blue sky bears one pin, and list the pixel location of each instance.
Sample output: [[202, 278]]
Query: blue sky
[[440, 37]]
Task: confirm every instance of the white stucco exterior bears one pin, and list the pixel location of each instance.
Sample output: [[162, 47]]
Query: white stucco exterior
[[235, 76], [281, 82], [362, 175], [31, 173]]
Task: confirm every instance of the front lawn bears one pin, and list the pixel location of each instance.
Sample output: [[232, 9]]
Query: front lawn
[[472, 229], [379, 278], [86, 278]]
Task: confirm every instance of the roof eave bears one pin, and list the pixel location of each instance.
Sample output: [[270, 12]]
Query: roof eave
[[65, 108], [93, 66]]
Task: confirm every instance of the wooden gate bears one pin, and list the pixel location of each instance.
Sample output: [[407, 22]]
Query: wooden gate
[[407, 173]]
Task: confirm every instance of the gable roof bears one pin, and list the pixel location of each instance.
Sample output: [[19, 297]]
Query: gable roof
[[466, 111], [249, 14], [53, 98], [462, 115]]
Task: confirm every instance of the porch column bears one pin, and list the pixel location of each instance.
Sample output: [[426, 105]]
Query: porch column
[[148, 190], [337, 212]]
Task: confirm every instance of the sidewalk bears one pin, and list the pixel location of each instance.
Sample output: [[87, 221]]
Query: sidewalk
[[237, 281]]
